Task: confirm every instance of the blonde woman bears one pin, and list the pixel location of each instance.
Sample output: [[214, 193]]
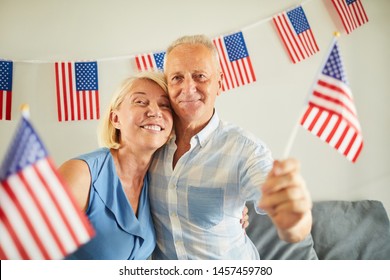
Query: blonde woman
[[111, 184]]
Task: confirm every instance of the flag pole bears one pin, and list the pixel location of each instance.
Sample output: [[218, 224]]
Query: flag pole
[[294, 131], [25, 109]]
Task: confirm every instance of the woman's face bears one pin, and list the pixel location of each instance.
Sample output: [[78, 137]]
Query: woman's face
[[145, 117]]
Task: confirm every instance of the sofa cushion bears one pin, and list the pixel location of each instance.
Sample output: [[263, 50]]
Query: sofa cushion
[[263, 234], [350, 230]]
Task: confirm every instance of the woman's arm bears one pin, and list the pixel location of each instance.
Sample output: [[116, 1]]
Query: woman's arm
[[77, 178]]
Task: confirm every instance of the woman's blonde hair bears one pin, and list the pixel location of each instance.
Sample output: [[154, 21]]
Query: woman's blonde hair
[[109, 136]]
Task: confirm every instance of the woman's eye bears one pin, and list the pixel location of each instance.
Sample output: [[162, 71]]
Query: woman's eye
[[140, 102], [168, 106]]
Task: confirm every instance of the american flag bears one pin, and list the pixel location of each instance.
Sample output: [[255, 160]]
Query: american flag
[[38, 217], [351, 12], [296, 34], [77, 91], [235, 61], [154, 61], [5, 89], [331, 113]]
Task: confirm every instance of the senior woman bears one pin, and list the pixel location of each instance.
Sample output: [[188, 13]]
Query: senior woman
[[111, 183]]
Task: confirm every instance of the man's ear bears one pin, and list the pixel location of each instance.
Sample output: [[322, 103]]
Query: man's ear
[[114, 118], [220, 82]]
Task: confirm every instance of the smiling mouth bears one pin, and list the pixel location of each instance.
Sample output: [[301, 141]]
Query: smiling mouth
[[189, 101], [153, 127]]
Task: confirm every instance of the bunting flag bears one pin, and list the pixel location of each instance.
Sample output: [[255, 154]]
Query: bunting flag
[[235, 61], [296, 34], [6, 68], [153, 61], [77, 91], [38, 217], [331, 113], [351, 12]]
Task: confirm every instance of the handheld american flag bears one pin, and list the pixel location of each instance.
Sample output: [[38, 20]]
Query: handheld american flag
[[235, 61], [148, 61], [77, 91], [5, 89], [296, 34], [331, 113], [38, 217], [351, 12]]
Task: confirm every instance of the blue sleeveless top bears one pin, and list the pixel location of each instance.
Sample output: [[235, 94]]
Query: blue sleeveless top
[[119, 234]]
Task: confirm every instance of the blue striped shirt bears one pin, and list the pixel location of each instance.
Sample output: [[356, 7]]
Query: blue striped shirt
[[197, 206]]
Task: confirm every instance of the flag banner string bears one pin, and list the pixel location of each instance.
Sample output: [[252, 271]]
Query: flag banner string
[[132, 56]]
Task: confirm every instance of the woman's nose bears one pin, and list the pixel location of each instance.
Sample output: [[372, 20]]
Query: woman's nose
[[154, 111]]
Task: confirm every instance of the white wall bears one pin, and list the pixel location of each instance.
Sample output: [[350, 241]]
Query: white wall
[[51, 30]]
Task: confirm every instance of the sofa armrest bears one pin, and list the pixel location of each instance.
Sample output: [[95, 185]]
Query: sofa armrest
[[342, 230], [351, 230]]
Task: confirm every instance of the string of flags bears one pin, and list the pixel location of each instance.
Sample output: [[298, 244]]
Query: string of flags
[[292, 26], [77, 89]]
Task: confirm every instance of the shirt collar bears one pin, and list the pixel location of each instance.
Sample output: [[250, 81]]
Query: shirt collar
[[205, 133]]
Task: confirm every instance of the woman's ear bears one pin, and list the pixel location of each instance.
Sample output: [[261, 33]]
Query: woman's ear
[[114, 118]]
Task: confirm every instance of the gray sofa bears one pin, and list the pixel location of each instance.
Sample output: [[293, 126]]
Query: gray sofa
[[342, 230]]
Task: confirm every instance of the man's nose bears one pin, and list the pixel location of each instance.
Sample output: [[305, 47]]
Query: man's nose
[[189, 86]]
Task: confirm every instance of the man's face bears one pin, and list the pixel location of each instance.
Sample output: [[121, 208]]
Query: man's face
[[194, 82]]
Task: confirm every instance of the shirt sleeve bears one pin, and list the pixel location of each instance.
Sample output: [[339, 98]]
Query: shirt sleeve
[[254, 170]]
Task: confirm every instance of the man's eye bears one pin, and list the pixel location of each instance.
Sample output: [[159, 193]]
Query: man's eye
[[175, 79], [201, 77]]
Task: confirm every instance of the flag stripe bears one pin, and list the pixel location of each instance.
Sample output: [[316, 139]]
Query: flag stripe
[[14, 221], [14, 249], [335, 100], [299, 45], [352, 15], [78, 224], [37, 215], [6, 240], [6, 77], [145, 62], [73, 104], [235, 63], [55, 216]]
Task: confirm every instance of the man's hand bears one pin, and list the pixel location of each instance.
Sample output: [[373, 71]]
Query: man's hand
[[287, 201], [245, 218]]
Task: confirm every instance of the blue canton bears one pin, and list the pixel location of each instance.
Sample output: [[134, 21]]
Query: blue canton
[[298, 20], [159, 58], [349, 2], [334, 66], [235, 46], [25, 150], [86, 76], [5, 75]]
